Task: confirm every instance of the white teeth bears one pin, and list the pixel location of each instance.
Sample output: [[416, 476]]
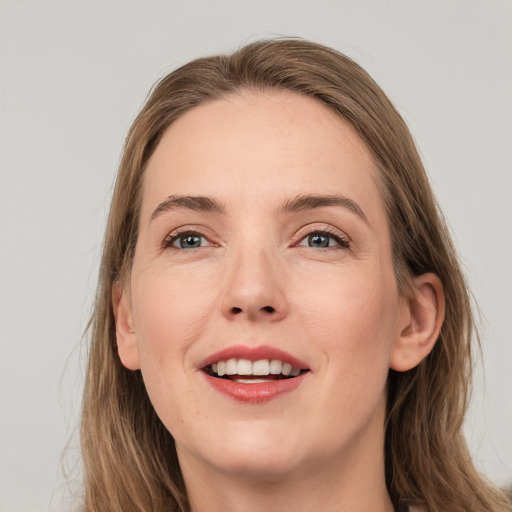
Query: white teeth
[[231, 367], [275, 367], [244, 367], [261, 367], [251, 381]]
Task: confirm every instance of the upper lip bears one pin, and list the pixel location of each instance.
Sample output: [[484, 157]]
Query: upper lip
[[253, 354]]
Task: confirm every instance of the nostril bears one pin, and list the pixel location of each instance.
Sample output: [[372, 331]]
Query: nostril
[[267, 309]]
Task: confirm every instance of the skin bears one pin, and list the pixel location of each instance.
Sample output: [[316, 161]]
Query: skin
[[255, 280]]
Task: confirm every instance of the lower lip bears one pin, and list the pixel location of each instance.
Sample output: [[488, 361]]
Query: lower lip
[[255, 393]]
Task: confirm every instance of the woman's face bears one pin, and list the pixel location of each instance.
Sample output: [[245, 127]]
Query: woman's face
[[264, 250]]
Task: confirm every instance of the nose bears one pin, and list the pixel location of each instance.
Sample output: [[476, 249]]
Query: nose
[[255, 288]]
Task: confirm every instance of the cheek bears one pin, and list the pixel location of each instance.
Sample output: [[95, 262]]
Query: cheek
[[168, 305], [352, 321], [170, 314]]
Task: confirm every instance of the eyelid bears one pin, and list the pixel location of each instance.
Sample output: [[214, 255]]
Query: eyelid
[[178, 232], [327, 229]]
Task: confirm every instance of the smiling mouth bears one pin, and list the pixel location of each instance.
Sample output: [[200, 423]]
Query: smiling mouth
[[244, 371]]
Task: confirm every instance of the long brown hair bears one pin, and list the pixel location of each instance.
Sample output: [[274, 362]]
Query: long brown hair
[[130, 461]]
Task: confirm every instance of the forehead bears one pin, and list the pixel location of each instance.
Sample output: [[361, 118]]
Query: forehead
[[261, 145]]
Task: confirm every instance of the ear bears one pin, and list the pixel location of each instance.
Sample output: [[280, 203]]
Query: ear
[[419, 321], [126, 337]]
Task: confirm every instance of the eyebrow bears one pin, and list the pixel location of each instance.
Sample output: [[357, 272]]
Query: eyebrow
[[196, 203], [298, 203], [310, 202]]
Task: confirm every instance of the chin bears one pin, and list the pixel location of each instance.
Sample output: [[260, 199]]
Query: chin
[[266, 456], [264, 466]]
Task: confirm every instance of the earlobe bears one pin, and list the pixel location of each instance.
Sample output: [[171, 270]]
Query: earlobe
[[126, 337], [419, 323]]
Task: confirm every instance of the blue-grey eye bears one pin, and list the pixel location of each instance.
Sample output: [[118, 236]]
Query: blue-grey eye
[[187, 241], [319, 240], [323, 240]]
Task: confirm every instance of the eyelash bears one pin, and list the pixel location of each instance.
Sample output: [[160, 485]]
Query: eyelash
[[171, 238], [343, 242]]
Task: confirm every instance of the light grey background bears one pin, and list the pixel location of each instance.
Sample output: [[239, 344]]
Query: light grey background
[[74, 74]]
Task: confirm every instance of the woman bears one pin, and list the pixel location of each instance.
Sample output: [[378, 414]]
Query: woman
[[281, 320]]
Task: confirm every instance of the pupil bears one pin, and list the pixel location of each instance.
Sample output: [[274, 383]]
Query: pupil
[[318, 241], [190, 242]]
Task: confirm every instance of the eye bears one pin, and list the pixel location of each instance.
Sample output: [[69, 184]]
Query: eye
[[324, 240], [186, 240]]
